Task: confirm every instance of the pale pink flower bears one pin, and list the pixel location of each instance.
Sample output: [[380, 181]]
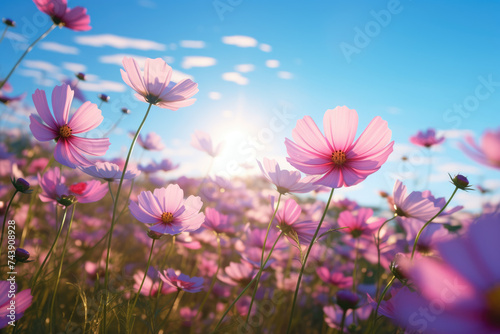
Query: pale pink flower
[[335, 155], [151, 283], [487, 152], [237, 274], [414, 205], [202, 141], [217, 222], [181, 281], [426, 139], [74, 19], [166, 210], [109, 171], [152, 86], [70, 149], [152, 142], [284, 180], [335, 278], [22, 302], [359, 223]]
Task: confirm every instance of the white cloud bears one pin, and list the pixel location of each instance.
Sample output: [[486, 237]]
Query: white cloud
[[235, 77], [102, 86], [61, 48], [74, 67], [119, 42], [265, 47], [198, 61], [39, 76], [214, 95], [454, 133], [240, 41], [272, 63], [41, 65], [285, 75], [244, 68], [455, 168], [116, 59], [192, 44]]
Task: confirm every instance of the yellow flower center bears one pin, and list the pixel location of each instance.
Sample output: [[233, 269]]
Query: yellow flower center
[[65, 131], [167, 218], [338, 158]]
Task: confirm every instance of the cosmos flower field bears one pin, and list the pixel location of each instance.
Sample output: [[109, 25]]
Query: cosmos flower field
[[101, 241]]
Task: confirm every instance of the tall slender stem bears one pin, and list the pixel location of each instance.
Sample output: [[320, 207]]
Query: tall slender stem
[[425, 225], [248, 285], [382, 298], [4, 32], [60, 269], [305, 261], [142, 283], [379, 267], [214, 278], [26, 52], [354, 271], [39, 271], [173, 303], [115, 205], [262, 258], [114, 126], [342, 322], [5, 219]]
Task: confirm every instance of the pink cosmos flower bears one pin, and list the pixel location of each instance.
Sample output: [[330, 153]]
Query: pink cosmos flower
[[22, 302], [202, 141], [487, 152], [284, 180], [151, 283], [187, 315], [69, 148], [152, 142], [109, 171], [217, 222], [359, 223], [465, 284], [152, 86], [238, 274], [414, 205], [286, 218], [334, 278], [88, 192], [181, 281], [49, 183], [74, 19], [167, 210], [432, 235], [335, 155], [78, 92], [333, 315], [9, 99], [426, 139]]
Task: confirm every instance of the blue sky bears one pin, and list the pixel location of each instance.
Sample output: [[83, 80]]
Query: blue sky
[[414, 63]]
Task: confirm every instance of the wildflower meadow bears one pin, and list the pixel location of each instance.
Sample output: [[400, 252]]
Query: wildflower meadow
[[164, 171]]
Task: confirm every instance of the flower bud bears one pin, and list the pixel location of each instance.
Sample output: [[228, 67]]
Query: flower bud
[[103, 97], [67, 200], [125, 111], [80, 76], [22, 255], [460, 182], [397, 266], [155, 235], [9, 22], [347, 299], [22, 185]]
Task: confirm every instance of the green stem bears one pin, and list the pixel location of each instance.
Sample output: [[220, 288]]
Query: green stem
[[249, 284], [39, 271], [26, 52], [160, 284], [4, 32], [354, 274], [342, 322], [262, 259], [425, 225], [111, 192], [60, 269], [214, 278], [142, 283], [115, 205], [305, 261], [382, 298], [173, 303], [114, 126], [5, 219], [379, 267]]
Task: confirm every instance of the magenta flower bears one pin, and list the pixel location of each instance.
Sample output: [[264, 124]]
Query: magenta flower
[[284, 180], [74, 19], [181, 281], [426, 139], [152, 142], [88, 192], [69, 148], [334, 278], [238, 274], [167, 211], [8, 311], [334, 155], [488, 152], [415, 205], [217, 222], [152, 86], [296, 232], [202, 141], [151, 283], [464, 284], [51, 180], [109, 171], [360, 223]]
